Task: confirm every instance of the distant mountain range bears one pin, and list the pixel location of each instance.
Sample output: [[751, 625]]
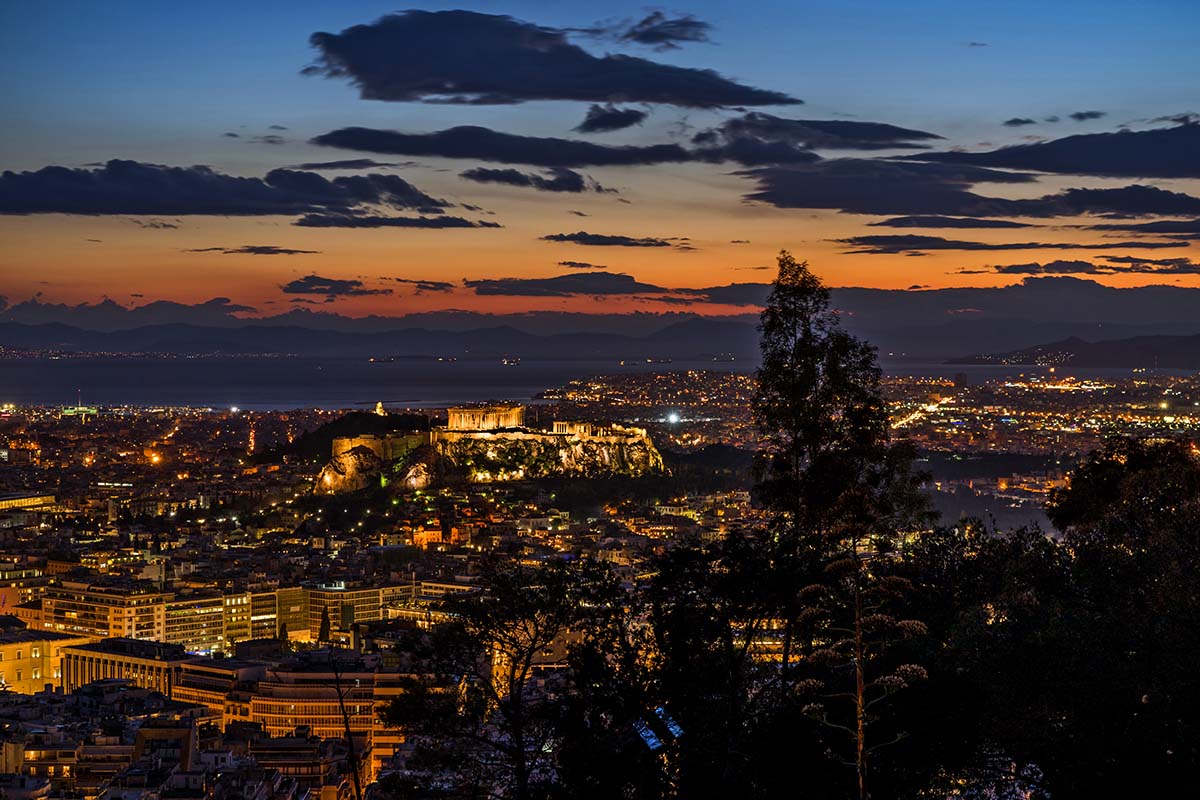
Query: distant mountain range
[[1164, 352], [691, 339], [916, 324]]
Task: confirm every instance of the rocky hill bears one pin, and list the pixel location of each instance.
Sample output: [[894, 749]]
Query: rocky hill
[[505, 455]]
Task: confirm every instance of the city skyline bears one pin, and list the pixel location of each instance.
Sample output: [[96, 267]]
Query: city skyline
[[586, 157]]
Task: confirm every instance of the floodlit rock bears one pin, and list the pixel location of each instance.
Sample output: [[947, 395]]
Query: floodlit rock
[[349, 471]]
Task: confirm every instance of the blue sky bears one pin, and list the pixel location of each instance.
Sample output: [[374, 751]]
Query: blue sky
[[154, 80]]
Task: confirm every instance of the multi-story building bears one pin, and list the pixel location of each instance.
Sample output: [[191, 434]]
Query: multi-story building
[[292, 617], [225, 686], [264, 615], [346, 606], [196, 622], [239, 615], [31, 659], [149, 665], [20, 583], [306, 691], [130, 610]]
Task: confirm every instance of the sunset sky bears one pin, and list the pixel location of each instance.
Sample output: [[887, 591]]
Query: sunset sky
[[189, 151]]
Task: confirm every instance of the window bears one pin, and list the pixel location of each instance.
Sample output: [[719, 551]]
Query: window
[[35, 652]]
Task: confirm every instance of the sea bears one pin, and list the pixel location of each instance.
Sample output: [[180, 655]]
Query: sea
[[281, 383]]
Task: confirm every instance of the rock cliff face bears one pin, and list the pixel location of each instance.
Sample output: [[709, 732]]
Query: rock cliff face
[[484, 457], [349, 471], [513, 455]]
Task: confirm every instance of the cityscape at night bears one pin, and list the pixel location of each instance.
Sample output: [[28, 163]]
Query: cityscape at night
[[546, 401]]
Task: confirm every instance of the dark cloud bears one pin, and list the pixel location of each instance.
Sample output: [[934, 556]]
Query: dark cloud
[[484, 144], [910, 188], [1186, 118], [155, 224], [580, 265], [131, 187], [577, 213], [277, 127], [1133, 200], [978, 44], [870, 186], [252, 250], [929, 221], [734, 294], [1017, 122], [807, 134], [752, 140], [600, 119], [364, 221], [1159, 153], [1116, 265], [1171, 228], [423, 287], [1052, 268], [606, 240], [468, 57], [1167, 264], [329, 287], [353, 163], [584, 283], [1083, 116], [739, 241], [559, 179], [910, 243], [269, 138], [231, 135], [661, 32]]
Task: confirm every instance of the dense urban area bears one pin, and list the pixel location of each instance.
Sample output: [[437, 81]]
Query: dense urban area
[[228, 587]]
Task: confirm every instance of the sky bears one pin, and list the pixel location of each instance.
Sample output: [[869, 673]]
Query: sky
[[507, 157]]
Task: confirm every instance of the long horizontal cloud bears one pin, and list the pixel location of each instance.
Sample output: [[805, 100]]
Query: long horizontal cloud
[[814, 133], [132, 187], [1170, 228], [252, 250], [1160, 153], [750, 140], [582, 283], [468, 57], [559, 179], [367, 221], [485, 144], [615, 283], [1117, 265], [910, 243], [873, 186], [329, 287], [1160, 262], [606, 240], [930, 221], [352, 163]]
